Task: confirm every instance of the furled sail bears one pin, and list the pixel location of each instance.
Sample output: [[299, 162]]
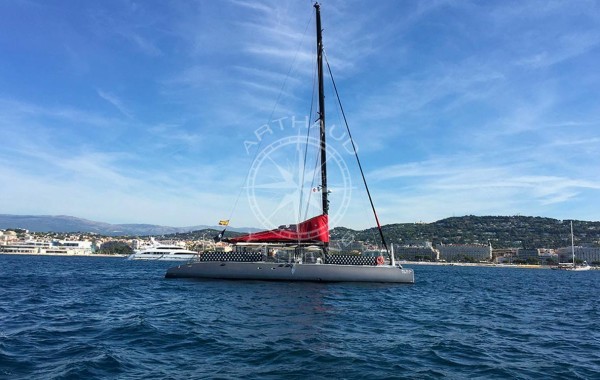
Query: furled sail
[[315, 229]]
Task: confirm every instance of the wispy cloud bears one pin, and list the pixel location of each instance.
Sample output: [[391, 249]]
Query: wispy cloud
[[23, 111], [566, 47], [142, 44], [168, 133], [479, 185], [263, 8], [115, 101]]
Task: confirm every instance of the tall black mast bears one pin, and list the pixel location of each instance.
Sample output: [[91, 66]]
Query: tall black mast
[[324, 190]]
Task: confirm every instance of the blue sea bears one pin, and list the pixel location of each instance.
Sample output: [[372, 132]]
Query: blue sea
[[109, 318]]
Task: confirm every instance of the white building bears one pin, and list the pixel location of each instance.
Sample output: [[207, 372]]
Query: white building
[[56, 247], [7, 237], [25, 247]]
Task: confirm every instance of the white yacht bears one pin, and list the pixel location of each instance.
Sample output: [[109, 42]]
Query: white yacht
[[573, 265], [163, 252]]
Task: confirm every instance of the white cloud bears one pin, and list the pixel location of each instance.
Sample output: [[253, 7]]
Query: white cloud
[[463, 185], [115, 101], [142, 44], [564, 48]]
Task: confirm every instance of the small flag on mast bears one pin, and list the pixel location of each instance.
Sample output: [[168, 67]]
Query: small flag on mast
[[219, 237], [224, 222]]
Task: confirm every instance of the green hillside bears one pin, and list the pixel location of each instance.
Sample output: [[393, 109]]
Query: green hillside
[[501, 231]]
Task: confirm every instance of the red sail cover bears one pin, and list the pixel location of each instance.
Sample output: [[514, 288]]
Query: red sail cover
[[315, 229]]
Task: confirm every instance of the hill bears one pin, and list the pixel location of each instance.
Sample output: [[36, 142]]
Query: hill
[[501, 231]]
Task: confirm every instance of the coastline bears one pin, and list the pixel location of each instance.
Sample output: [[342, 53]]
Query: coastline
[[491, 265], [64, 254]]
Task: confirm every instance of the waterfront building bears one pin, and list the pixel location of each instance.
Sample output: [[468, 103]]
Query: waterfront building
[[136, 244], [528, 253], [540, 256], [25, 247], [7, 237], [589, 254], [548, 257], [70, 247], [504, 255], [464, 252], [56, 247], [415, 252]]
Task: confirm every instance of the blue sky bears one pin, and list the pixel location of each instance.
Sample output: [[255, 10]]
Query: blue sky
[[144, 112]]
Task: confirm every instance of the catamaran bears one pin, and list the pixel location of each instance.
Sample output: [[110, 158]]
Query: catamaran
[[298, 252]]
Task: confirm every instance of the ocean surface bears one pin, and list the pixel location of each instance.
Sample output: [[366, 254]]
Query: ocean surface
[[109, 318]]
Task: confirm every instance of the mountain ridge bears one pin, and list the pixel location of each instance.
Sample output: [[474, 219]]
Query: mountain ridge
[[67, 223]]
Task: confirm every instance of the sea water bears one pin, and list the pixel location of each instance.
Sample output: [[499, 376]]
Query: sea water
[[92, 317]]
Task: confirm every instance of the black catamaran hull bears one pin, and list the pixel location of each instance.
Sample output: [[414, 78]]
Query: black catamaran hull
[[292, 272]]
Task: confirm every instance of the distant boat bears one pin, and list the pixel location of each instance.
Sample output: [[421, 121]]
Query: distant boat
[[298, 252], [573, 265], [163, 252]]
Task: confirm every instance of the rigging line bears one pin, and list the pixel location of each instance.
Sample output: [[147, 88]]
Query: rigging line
[[356, 154], [241, 187], [316, 172], [312, 102], [312, 183], [317, 158]]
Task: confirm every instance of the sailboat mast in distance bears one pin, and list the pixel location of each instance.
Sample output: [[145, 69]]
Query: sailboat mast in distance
[[324, 191], [572, 245]]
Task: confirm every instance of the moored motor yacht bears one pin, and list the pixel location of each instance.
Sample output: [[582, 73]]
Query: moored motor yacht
[[163, 252]]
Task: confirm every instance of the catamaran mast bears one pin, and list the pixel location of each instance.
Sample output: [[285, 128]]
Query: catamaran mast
[[324, 191]]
